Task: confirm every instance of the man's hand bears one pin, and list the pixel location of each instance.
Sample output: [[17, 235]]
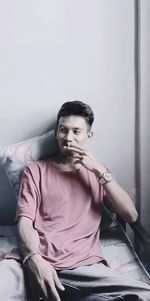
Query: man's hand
[[118, 198], [85, 158], [44, 277]]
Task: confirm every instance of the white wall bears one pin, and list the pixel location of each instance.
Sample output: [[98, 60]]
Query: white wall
[[145, 111], [57, 50]]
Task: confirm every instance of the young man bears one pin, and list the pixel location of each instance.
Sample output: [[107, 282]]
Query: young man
[[59, 214]]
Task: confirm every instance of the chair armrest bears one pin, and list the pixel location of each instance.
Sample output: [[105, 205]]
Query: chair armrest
[[142, 243], [138, 230], [140, 233]]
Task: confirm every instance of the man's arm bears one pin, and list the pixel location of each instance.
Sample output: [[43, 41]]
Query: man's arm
[[43, 273], [120, 202], [118, 199], [28, 237]]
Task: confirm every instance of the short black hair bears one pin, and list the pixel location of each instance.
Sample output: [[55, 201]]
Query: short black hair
[[76, 108]]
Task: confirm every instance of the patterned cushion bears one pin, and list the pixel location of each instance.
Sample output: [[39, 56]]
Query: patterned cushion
[[14, 158]]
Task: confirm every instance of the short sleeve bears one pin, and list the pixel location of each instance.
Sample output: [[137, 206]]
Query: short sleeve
[[28, 196]]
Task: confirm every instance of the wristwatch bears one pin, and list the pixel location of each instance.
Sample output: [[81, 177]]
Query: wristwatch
[[106, 177]]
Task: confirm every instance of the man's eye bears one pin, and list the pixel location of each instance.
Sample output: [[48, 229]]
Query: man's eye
[[77, 132], [63, 130]]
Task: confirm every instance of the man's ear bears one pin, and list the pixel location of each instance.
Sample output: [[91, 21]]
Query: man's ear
[[90, 135]]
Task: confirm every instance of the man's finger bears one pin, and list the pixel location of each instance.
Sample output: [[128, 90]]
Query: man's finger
[[53, 291], [77, 162], [58, 283], [78, 156], [74, 145], [75, 149], [43, 289]]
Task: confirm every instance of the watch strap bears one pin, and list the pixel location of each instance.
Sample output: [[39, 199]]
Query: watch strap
[[106, 177]]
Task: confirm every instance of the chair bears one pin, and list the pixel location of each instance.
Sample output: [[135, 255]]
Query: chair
[[132, 258]]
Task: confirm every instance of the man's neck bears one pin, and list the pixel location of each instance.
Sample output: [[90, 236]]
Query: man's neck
[[64, 162]]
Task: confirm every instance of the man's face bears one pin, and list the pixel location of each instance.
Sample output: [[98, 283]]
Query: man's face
[[72, 130]]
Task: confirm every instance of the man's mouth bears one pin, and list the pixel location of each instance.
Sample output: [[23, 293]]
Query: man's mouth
[[66, 144]]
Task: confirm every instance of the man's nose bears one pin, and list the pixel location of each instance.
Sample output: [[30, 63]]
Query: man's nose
[[68, 137]]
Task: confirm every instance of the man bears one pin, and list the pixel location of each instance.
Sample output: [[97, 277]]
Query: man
[[59, 214]]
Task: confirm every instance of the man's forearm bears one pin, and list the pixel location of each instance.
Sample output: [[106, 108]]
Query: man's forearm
[[118, 199], [28, 237], [44, 275]]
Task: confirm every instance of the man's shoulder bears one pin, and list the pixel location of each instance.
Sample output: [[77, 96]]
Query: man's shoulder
[[37, 166]]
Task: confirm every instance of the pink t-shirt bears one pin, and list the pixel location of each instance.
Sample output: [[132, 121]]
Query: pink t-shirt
[[65, 207]]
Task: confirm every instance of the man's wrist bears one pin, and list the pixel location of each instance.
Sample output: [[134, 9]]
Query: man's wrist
[[99, 171], [29, 256], [104, 176]]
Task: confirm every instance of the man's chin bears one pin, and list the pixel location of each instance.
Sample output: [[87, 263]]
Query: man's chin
[[66, 152]]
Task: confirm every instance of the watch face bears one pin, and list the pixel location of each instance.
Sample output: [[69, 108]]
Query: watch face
[[107, 177]]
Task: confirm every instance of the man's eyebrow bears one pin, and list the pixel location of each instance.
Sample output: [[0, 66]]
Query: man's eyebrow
[[77, 129], [61, 124]]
